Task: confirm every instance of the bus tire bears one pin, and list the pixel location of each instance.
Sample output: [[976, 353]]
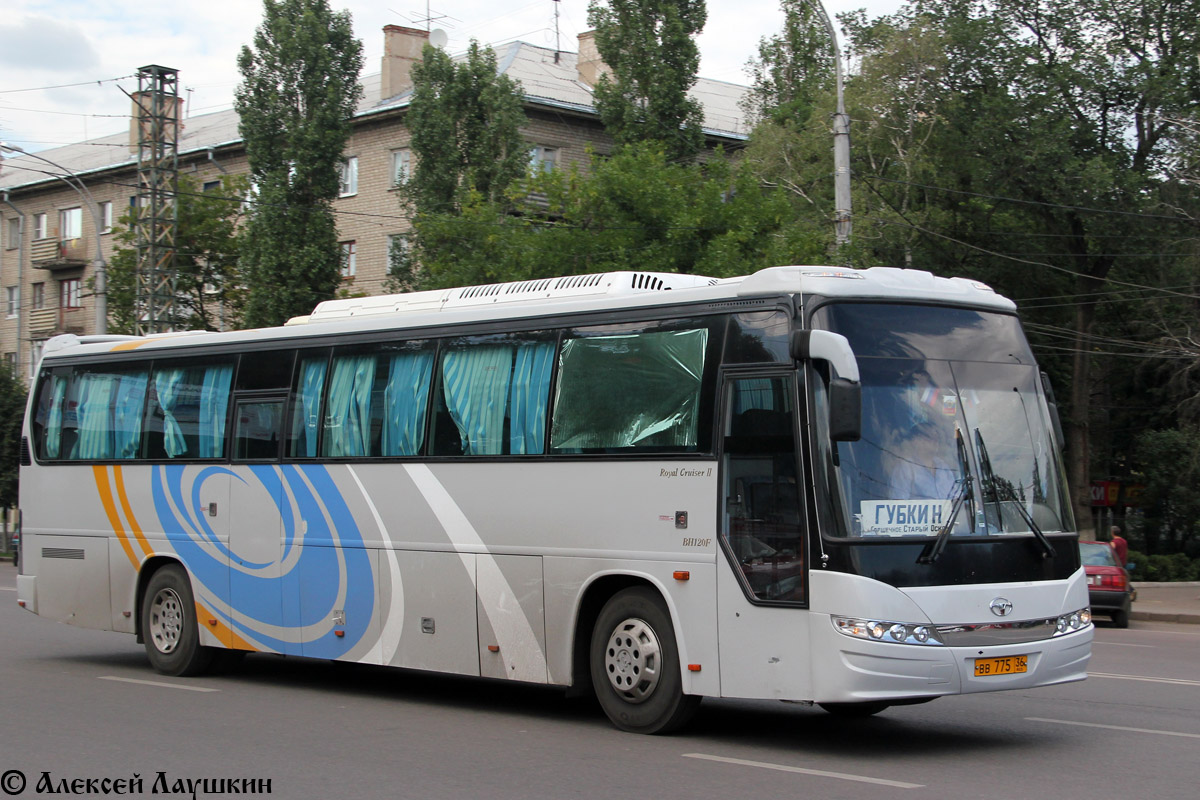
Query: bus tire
[[854, 709], [635, 664], [169, 628]]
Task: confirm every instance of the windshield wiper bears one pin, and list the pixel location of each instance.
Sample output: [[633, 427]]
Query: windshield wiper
[[997, 487], [963, 492]]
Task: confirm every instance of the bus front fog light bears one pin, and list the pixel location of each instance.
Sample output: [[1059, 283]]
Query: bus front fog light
[[898, 632], [1063, 624], [921, 634], [1085, 616]]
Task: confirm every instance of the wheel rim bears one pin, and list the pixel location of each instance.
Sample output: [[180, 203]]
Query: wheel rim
[[166, 620], [633, 660]]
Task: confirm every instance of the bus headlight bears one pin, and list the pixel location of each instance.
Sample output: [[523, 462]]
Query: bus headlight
[[886, 631], [1073, 621]]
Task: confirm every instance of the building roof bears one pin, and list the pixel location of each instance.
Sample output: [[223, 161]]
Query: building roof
[[545, 82]]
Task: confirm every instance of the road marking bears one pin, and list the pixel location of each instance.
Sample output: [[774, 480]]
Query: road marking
[[1114, 727], [818, 772], [8, 588], [1124, 644], [1145, 678], [159, 683]]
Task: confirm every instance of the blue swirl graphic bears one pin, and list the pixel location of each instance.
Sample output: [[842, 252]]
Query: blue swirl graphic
[[332, 558]]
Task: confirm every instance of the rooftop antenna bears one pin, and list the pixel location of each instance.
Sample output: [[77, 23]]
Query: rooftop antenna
[[556, 39]]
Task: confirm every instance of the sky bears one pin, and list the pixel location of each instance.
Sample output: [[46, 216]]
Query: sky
[[64, 63]]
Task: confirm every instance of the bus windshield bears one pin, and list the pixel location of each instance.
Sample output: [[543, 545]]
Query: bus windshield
[[956, 434]]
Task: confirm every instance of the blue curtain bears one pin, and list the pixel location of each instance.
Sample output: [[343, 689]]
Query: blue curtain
[[54, 420], [214, 404], [308, 420], [348, 411], [129, 405], [476, 383], [168, 383], [96, 395], [530, 392], [405, 400]]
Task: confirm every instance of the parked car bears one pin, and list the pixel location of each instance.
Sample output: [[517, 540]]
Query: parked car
[[1109, 589]]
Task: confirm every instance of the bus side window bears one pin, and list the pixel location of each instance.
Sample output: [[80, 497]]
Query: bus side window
[[99, 415], [642, 390], [189, 404], [257, 428], [493, 394]]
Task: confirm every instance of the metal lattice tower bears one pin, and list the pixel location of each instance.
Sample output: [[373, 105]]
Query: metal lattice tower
[[157, 111]]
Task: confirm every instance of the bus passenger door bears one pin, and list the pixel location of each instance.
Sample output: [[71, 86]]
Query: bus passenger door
[[762, 589], [257, 505]]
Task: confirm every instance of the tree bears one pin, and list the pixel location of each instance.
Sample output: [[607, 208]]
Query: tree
[[298, 93], [792, 68], [649, 46], [1044, 173], [465, 121], [634, 210], [209, 293], [12, 416]]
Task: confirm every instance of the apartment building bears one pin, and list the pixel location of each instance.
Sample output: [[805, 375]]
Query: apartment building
[[55, 230]]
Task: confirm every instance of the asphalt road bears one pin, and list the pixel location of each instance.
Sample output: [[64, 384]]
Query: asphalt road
[[80, 705]]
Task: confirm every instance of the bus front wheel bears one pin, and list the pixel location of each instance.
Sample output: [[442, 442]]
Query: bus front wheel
[[635, 664], [169, 624]]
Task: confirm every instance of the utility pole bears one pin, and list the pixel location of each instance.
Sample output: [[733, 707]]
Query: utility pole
[[841, 143]]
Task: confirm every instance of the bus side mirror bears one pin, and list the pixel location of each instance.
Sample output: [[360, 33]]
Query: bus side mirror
[[845, 390]]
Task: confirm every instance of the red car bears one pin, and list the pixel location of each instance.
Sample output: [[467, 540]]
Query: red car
[[1109, 589]]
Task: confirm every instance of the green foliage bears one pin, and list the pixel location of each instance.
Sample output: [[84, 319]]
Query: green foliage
[[298, 93], [649, 46], [1168, 464], [465, 122], [208, 279], [792, 68], [635, 210], [12, 416], [1175, 567]]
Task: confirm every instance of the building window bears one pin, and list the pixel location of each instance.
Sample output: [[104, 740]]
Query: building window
[[13, 239], [349, 177], [13, 295], [39, 296], [543, 158], [106, 216], [70, 224], [70, 293], [41, 226], [10, 361], [398, 247], [401, 166], [349, 251], [211, 186]]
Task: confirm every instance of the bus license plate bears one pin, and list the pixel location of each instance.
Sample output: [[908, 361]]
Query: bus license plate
[[1009, 665]]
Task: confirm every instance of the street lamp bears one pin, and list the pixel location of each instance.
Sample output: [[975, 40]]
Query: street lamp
[[98, 264], [841, 142]]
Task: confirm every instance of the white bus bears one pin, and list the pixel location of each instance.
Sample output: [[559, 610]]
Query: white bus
[[829, 486]]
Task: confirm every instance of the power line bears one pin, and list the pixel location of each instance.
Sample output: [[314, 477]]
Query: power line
[[65, 86]]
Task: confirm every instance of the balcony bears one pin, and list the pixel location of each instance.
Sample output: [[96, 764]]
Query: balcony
[[46, 322], [55, 254]]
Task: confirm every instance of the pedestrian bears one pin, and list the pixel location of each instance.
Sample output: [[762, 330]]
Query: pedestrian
[[1119, 544]]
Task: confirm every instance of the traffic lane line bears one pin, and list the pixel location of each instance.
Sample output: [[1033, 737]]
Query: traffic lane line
[[1114, 727], [162, 684], [1143, 678], [802, 771]]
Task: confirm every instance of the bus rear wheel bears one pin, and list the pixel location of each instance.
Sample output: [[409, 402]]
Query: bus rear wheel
[[169, 624], [635, 664]]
